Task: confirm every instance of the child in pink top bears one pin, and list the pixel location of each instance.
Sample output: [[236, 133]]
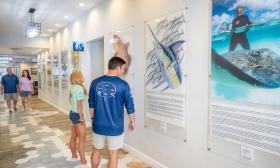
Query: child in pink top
[[26, 87]]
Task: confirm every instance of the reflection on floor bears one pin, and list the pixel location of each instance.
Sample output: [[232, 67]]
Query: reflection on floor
[[39, 139]]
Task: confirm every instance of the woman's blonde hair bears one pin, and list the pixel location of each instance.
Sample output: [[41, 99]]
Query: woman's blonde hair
[[77, 78]]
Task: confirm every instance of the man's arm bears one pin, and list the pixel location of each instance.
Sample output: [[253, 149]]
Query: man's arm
[[91, 100], [233, 24], [2, 85], [17, 85], [131, 125], [129, 105], [91, 110]]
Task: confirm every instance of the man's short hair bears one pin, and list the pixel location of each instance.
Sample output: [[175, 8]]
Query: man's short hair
[[115, 62]]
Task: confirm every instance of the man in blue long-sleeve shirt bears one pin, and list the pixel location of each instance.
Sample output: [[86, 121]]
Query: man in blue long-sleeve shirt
[[108, 96]]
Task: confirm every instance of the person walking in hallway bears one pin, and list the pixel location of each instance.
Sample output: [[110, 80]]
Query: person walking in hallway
[[107, 97], [76, 115], [26, 87], [10, 85]]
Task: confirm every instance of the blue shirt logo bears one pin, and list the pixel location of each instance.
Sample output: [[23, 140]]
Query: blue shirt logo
[[106, 89]]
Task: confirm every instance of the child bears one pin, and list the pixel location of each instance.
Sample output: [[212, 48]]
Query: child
[[77, 100]]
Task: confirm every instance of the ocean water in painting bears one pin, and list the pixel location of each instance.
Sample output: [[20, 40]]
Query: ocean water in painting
[[251, 75]]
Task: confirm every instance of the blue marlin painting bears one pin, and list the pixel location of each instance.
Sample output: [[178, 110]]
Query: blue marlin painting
[[168, 62]]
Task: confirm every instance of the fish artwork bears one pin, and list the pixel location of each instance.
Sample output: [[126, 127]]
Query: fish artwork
[[163, 69]]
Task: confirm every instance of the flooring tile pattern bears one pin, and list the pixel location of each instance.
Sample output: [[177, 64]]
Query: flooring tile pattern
[[39, 139]]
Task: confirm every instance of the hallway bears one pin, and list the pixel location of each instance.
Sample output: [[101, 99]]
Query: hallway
[[39, 139]]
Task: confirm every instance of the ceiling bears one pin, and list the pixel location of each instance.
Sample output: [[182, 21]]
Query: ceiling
[[53, 14], [20, 51], [16, 60]]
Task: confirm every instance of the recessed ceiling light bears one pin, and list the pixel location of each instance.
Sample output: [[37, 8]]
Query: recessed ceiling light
[[50, 30], [66, 17], [82, 4], [57, 25]]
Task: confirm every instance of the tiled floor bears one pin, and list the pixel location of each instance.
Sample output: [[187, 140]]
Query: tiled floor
[[39, 139]]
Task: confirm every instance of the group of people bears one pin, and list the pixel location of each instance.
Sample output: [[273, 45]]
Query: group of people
[[108, 95], [11, 86]]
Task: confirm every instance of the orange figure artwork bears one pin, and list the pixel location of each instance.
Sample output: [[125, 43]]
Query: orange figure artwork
[[121, 50]]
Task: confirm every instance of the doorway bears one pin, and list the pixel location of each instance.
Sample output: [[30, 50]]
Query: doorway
[[96, 52]]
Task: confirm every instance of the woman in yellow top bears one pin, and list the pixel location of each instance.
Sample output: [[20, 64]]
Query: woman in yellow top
[[77, 100]]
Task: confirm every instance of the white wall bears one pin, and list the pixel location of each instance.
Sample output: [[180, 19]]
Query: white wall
[[115, 14], [28, 66]]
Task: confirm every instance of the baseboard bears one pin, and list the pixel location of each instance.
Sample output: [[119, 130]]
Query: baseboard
[[66, 112], [143, 157]]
